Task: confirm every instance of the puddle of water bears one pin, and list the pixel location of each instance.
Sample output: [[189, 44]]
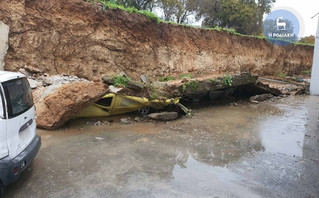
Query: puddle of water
[[284, 134], [201, 180]]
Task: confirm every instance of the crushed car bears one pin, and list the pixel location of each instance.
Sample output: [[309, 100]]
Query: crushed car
[[115, 104]]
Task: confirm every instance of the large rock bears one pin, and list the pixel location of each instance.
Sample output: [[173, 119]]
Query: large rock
[[164, 116], [62, 105]]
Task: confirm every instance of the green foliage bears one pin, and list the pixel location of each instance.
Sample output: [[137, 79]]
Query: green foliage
[[306, 72], [281, 75], [184, 87], [120, 81], [166, 79], [213, 80], [245, 16], [186, 76], [192, 84], [153, 96], [109, 4], [308, 40], [227, 80]]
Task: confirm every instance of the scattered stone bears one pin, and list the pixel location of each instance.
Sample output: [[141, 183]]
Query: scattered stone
[[34, 84], [107, 79], [114, 89], [260, 98], [136, 86], [234, 104], [164, 116], [25, 72], [143, 78], [138, 119], [126, 121], [122, 73], [99, 138], [98, 123]]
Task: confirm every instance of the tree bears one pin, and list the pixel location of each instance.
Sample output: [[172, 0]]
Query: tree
[[177, 10], [263, 7], [245, 16], [138, 4], [237, 14], [308, 40]]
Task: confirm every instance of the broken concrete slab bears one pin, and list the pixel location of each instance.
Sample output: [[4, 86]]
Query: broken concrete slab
[[278, 87], [62, 105], [164, 116], [202, 85]]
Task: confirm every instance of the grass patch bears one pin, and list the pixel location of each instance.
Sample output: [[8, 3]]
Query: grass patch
[[186, 76], [166, 79], [110, 5], [192, 84], [306, 72], [227, 80], [120, 81], [281, 75], [213, 80]]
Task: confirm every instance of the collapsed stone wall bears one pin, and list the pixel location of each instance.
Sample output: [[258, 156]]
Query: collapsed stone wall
[[77, 38]]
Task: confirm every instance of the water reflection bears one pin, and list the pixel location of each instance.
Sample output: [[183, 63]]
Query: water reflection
[[285, 134]]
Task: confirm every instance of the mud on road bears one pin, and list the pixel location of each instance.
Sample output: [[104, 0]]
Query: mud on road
[[269, 149]]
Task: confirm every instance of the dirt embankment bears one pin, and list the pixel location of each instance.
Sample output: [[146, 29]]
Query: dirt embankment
[[76, 38]]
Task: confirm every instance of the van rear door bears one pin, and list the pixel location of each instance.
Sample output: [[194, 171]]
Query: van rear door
[[3, 128], [21, 127]]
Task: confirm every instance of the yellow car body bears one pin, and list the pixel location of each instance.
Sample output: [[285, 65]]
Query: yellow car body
[[113, 104]]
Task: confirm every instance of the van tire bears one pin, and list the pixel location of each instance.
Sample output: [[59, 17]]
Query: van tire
[[1, 189]]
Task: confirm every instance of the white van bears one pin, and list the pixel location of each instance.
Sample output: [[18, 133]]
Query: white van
[[19, 143]]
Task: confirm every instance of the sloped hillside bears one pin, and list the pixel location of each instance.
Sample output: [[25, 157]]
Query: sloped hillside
[[77, 38]]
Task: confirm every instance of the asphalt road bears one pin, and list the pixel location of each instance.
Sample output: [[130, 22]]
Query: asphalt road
[[247, 150]]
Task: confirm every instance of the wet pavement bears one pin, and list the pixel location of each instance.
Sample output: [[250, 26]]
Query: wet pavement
[[251, 150]]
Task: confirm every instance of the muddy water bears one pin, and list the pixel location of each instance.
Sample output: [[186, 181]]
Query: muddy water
[[253, 150]]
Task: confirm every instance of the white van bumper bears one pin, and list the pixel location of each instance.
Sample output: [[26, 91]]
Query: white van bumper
[[10, 169]]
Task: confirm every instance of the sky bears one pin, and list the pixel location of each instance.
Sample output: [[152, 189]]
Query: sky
[[306, 9]]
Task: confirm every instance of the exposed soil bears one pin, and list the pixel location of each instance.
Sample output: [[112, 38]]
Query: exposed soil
[[77, 38]]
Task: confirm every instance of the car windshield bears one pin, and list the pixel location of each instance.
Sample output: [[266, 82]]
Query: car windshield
[[18, 95]]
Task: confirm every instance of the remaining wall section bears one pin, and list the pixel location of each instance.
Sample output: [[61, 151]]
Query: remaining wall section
[[75, 37], [4, 32], [314, 86]]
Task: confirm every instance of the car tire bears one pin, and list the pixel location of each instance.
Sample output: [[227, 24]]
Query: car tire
[[144, 110]]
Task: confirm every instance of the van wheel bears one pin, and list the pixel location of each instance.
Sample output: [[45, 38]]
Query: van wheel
[[144, 110], [1, 189]]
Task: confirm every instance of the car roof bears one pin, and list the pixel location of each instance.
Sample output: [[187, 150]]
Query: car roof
[[5, 75]]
